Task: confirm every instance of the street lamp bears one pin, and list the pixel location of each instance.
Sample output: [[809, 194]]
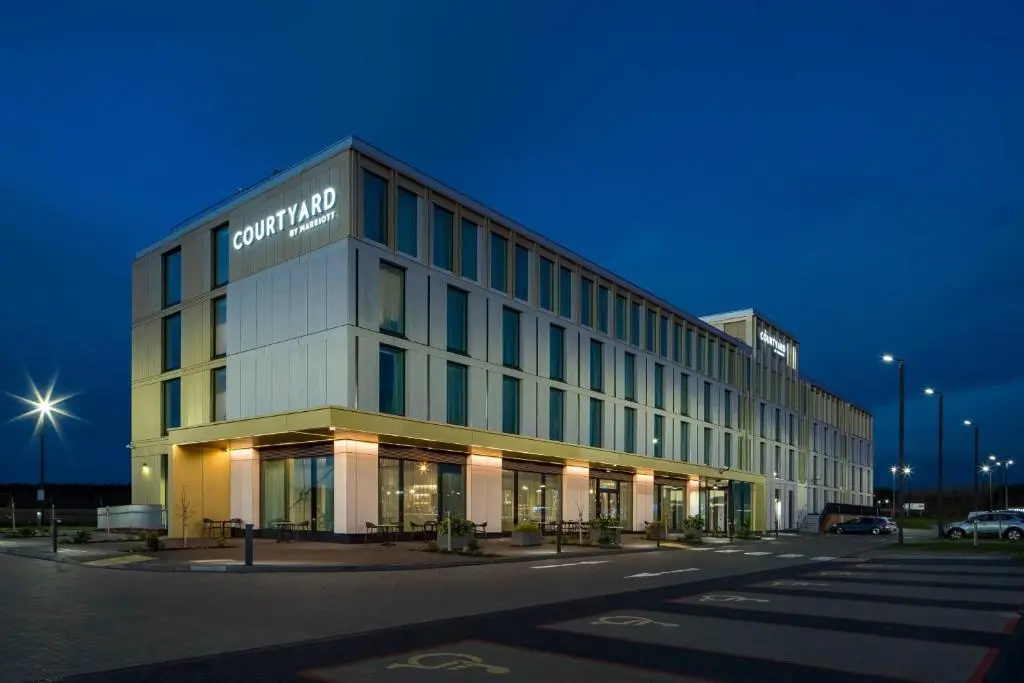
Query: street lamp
[[892, 508], [987, 469], [1006, 478], [889, 358], [938, 503], [974, 425]]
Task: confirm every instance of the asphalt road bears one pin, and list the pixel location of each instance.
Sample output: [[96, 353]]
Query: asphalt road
[[671, 616]]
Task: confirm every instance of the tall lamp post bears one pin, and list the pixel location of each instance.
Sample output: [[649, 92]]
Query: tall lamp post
[[987, 469], [1005, 464], [889, 358], [938, 503], [892, 508], [977, 464]]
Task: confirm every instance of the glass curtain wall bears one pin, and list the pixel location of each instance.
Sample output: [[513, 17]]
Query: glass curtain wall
[[298, 490], [612, 498], [742, 505], [715, 507], [420, 492], [529, 496]]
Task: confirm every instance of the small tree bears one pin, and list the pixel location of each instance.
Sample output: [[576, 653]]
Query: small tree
[[184, 514]]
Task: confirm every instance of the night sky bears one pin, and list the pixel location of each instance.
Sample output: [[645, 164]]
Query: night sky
[[855, 170]]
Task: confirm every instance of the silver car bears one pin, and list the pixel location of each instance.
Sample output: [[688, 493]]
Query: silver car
[[1006, 525]]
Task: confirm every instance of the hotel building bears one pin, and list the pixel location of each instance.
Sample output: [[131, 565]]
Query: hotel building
[[351, 343]]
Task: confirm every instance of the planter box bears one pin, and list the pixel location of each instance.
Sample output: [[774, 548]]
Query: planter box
[[614, 535], [693, 534], [527, 538], [657, 533], [458, 542]]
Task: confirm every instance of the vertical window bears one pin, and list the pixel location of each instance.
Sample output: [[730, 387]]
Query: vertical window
[[684, 441], [721, 363], [443, 239], [510, 338], [791, 465], [392, 299], [651, 331], [171, 397], [172, 278], [219, 389], [677, 343], [629, 430], [663, 337], [458, 320], [172, 342], [659, 436], [763, 458], [684, 394], [499, 263], [596, 365], [375, 207], [634, 324], [556, 415], [509, 405], [778, 426], [546, 281], [556, 353], [620, 317], [392, 380], [707, 402], [220, 326], [728, 408], [629, 377], [762, 419], [565, 292], [408, 224], [778, 462], [220, 256], [707, 445], [726, 449], [689, 349], [522, 273], [596, 423], [659, 386], [470, 236], [603, 297], [699, 356], [586, 302], [792, 430], [710, 365], [457, 386]]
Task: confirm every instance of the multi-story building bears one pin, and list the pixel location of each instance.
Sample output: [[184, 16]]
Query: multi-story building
[[351, 343]]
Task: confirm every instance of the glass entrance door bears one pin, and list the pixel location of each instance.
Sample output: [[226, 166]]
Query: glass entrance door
[[608, 504]]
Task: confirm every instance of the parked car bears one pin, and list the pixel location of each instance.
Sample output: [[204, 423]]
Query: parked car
[[863, 525], [1008, 525], [890, 523], [1016, 513]]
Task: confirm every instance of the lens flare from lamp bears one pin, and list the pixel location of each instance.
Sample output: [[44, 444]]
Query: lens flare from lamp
[[44, 405]]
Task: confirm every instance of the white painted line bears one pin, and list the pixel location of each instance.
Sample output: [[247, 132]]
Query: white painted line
[[822, 558], [208, 568], [730, 550], [569, 564], [790, 555], [760, 552], [690, 547], [645, 575]]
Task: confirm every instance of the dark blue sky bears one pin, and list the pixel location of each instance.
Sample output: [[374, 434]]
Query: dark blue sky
[[853, 169]]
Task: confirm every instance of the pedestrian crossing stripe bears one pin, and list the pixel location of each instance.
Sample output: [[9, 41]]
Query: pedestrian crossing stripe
[[760, 552], [118, 560], [791, 555], [729, 550], [822, 559]]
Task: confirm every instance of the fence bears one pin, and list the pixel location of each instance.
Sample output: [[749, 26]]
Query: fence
[[147, 517]]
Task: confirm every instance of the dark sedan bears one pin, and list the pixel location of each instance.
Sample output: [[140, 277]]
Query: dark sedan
[[875, 526]]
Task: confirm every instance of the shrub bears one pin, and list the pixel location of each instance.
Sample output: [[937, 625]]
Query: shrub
[[527, 527]]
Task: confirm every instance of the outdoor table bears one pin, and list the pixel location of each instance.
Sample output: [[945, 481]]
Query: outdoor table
[[284, 530], [387, 532]]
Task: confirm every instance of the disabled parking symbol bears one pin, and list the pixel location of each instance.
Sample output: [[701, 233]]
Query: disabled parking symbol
[[625, 620], [448, 661], [729, 598]]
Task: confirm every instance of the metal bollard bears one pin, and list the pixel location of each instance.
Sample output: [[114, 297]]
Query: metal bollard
[[53, 532], [248, 545]]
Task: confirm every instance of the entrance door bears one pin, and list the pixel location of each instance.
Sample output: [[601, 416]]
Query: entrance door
[[608, 503]]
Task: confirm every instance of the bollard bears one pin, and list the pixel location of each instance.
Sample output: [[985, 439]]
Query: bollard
[[53, 531], [248, 545]]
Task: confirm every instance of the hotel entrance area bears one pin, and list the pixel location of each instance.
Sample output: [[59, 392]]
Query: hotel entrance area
[[726, 507]]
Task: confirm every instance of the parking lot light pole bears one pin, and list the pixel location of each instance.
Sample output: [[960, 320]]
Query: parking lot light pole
[[938, 501], [988, 470], [1006, 484], [889, 358], [977, 464]]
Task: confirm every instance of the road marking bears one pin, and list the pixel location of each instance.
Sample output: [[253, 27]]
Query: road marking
[[450, 661], [124, 559], [822, 558], [800, 583], [759, 552], [729, 598], [729, 550], [569, 564], [790, 555], [625, 620], [645, 575], [695, 549]]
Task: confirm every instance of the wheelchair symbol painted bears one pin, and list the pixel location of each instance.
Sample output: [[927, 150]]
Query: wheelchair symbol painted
[[624, 620], [800, 583], [729, 598], [448, 661]]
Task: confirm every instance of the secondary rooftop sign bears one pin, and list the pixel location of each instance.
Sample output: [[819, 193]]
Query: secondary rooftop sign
[[779, 347], [295, 219]]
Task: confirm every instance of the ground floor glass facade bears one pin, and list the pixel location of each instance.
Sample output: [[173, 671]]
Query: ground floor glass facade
[[298, 490], [529, 497], [417, 492], [612, 498]]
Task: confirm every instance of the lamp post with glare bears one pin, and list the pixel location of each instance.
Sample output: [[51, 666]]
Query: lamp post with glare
[[938, 503], [889, 358], [892, 508], [1006, 484], [987, 469], [977, 465]]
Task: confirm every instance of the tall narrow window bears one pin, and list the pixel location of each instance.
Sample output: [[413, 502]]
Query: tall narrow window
[[219, 390], [221, 242], [172, 278], [443, 238], [596, 365], [392, 299], [762, 458], [659, 436], [707, 445], [470, 239], [171, 399], [510, 340], [596, 423], [392, 380], [727, 404], [556, 415], [629, 430], [778, 427], [707, 402], [651, 333], [698, 359], [659, 386], [688, 358], [556, 353], [509, 405], [408, 223], [663, 337], [620, 317], [499, 263], [634, 323], [172, 342], [586, 302], [684, 441], [565, 292], [458, 320], [220, 326], [677, 343], [726, 449], [522, 273], [629, 377], [546, 282], [458, 386], [603, 302], [684, 394], [375, 207]]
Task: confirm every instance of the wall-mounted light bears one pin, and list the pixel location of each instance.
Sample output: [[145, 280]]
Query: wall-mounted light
[[145, 469]]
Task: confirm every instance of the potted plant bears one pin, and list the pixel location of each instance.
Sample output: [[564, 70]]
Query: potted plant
[[527, 533], [459, 531], [656, 531], [605, 531], [693, 528]]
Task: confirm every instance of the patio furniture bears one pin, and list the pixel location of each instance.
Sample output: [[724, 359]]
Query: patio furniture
[[371, 528]]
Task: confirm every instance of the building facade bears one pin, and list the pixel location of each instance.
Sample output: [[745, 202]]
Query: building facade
[[351, 343]]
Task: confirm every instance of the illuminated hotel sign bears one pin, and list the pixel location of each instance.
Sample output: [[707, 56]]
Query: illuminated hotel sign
[[777, 346], [295, 219]]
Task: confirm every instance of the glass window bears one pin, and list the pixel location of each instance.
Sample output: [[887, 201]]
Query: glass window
[[721, 362], [634, 324], [684, 441], [499, 263], [565, 292], [389, 494], [727, 401], [707, 445], [778, 464], [221, 241], [509, 405], [392, 299], [546, 281], [596, 423], [556, 415], [659, 386], [791, 465], [596, 365], [171, 404], [586, 302], [699, 360], [689, 349], [298, 490], [652, 331], [629, 430], [392, 380], [629, 377], [677, 343], [663, 337], [556, 353], [172, 342], [726, 449], [510, 338], [470, 235], [458, 390], [762, 457], [375, 207], [443, 244], [220, 327], [528, 496], [603, 296], [659, 436], [408, 223], [707, 402], [172, 278], [778, 429], [458, 320], [219, 382], [620, 317], [522, 273]]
